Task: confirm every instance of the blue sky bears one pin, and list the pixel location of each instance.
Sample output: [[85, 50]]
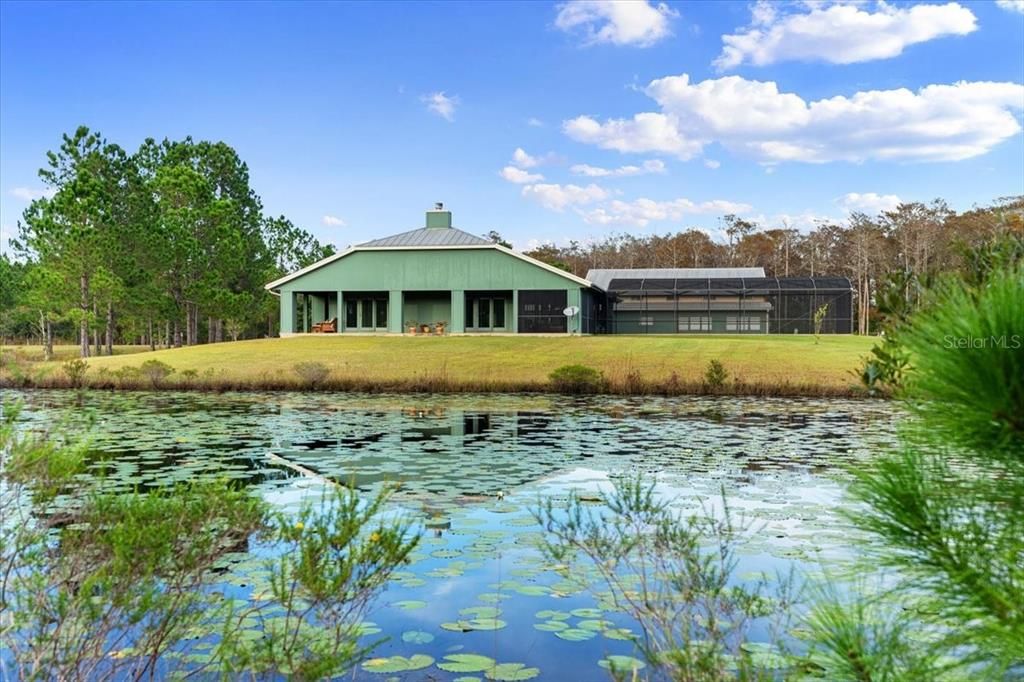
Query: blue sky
[[634, 116]]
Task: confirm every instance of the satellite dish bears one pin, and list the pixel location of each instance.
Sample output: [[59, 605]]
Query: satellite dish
[[571, 311]]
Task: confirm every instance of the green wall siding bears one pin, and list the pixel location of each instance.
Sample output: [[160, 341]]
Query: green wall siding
[[448, 270], [428, 270]]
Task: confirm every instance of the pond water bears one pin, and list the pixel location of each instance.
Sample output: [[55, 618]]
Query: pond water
[[471, 468]]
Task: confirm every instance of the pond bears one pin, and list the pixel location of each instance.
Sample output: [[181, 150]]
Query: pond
[[471, 467]]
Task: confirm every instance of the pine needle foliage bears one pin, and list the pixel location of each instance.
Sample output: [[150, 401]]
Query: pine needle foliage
[[945, 511]]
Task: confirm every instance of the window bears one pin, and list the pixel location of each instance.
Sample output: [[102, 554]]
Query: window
[[732, 323], [351, 312], [366, 311], [754, 323], [366, 321], [499, 313], [485, 311], [646, 321], [695, 323]]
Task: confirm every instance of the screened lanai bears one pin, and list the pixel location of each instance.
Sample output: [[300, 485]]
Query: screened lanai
[[751, 305]]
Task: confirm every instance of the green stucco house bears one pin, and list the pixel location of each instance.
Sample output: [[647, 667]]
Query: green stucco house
[[441, 278], [436, 274]]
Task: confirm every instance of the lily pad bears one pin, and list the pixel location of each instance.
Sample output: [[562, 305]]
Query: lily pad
[[549, 614], [618, 633], [575, 634], [551, 626], [397, 664], [587, 613], [511, 672], [481, 611], [594, 624], [493, 597], [474, 624], [417, 637], [621, 664], [466, 663]]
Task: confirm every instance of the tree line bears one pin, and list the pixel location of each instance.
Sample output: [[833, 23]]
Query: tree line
[[888, 257], [168, 245]]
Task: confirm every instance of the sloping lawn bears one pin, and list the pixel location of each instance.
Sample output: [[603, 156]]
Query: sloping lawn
[[795, 359]]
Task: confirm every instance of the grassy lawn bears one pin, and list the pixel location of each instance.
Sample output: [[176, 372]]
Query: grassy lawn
[[752, 359]]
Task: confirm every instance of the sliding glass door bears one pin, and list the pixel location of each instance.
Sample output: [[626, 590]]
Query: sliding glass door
[[486, 312]]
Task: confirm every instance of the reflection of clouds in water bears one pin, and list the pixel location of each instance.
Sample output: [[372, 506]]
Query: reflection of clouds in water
[[781, 463]]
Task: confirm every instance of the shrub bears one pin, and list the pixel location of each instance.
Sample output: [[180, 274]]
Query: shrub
[[155, 371], [127, 376], [715, 375], [884, 370], [945, 511], [633, 383], [575, 379], [188, 376], [672, 571], [75, 370], [114, 585], [312, 373]]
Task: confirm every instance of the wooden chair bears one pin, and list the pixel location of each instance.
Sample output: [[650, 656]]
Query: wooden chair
[[325, 327]]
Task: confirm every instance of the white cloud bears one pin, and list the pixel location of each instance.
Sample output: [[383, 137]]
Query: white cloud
[[641, 212], [840, 33], [646, 132], [712, 164], [619, 22], [1012, 5], [519, 176], [648, 167], [332, 221], [31, 193], [534, 122], [558, 197], [869, 202], [935, 123], [523, 160], [441, 104]]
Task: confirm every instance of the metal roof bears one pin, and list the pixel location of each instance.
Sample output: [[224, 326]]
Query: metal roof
[[428, 236], [602, 277], [752, 286]]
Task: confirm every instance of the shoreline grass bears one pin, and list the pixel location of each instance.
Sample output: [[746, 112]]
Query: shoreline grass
[[787, 366]]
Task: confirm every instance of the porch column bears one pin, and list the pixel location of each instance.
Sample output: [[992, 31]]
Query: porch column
[[457, 325], [574, 299], [341, 310], [515, 312], [287, 313], [396, 325]]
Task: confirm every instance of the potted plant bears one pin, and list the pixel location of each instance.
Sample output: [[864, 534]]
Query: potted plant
[[425, 328], [410, 325], [439, 326]]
